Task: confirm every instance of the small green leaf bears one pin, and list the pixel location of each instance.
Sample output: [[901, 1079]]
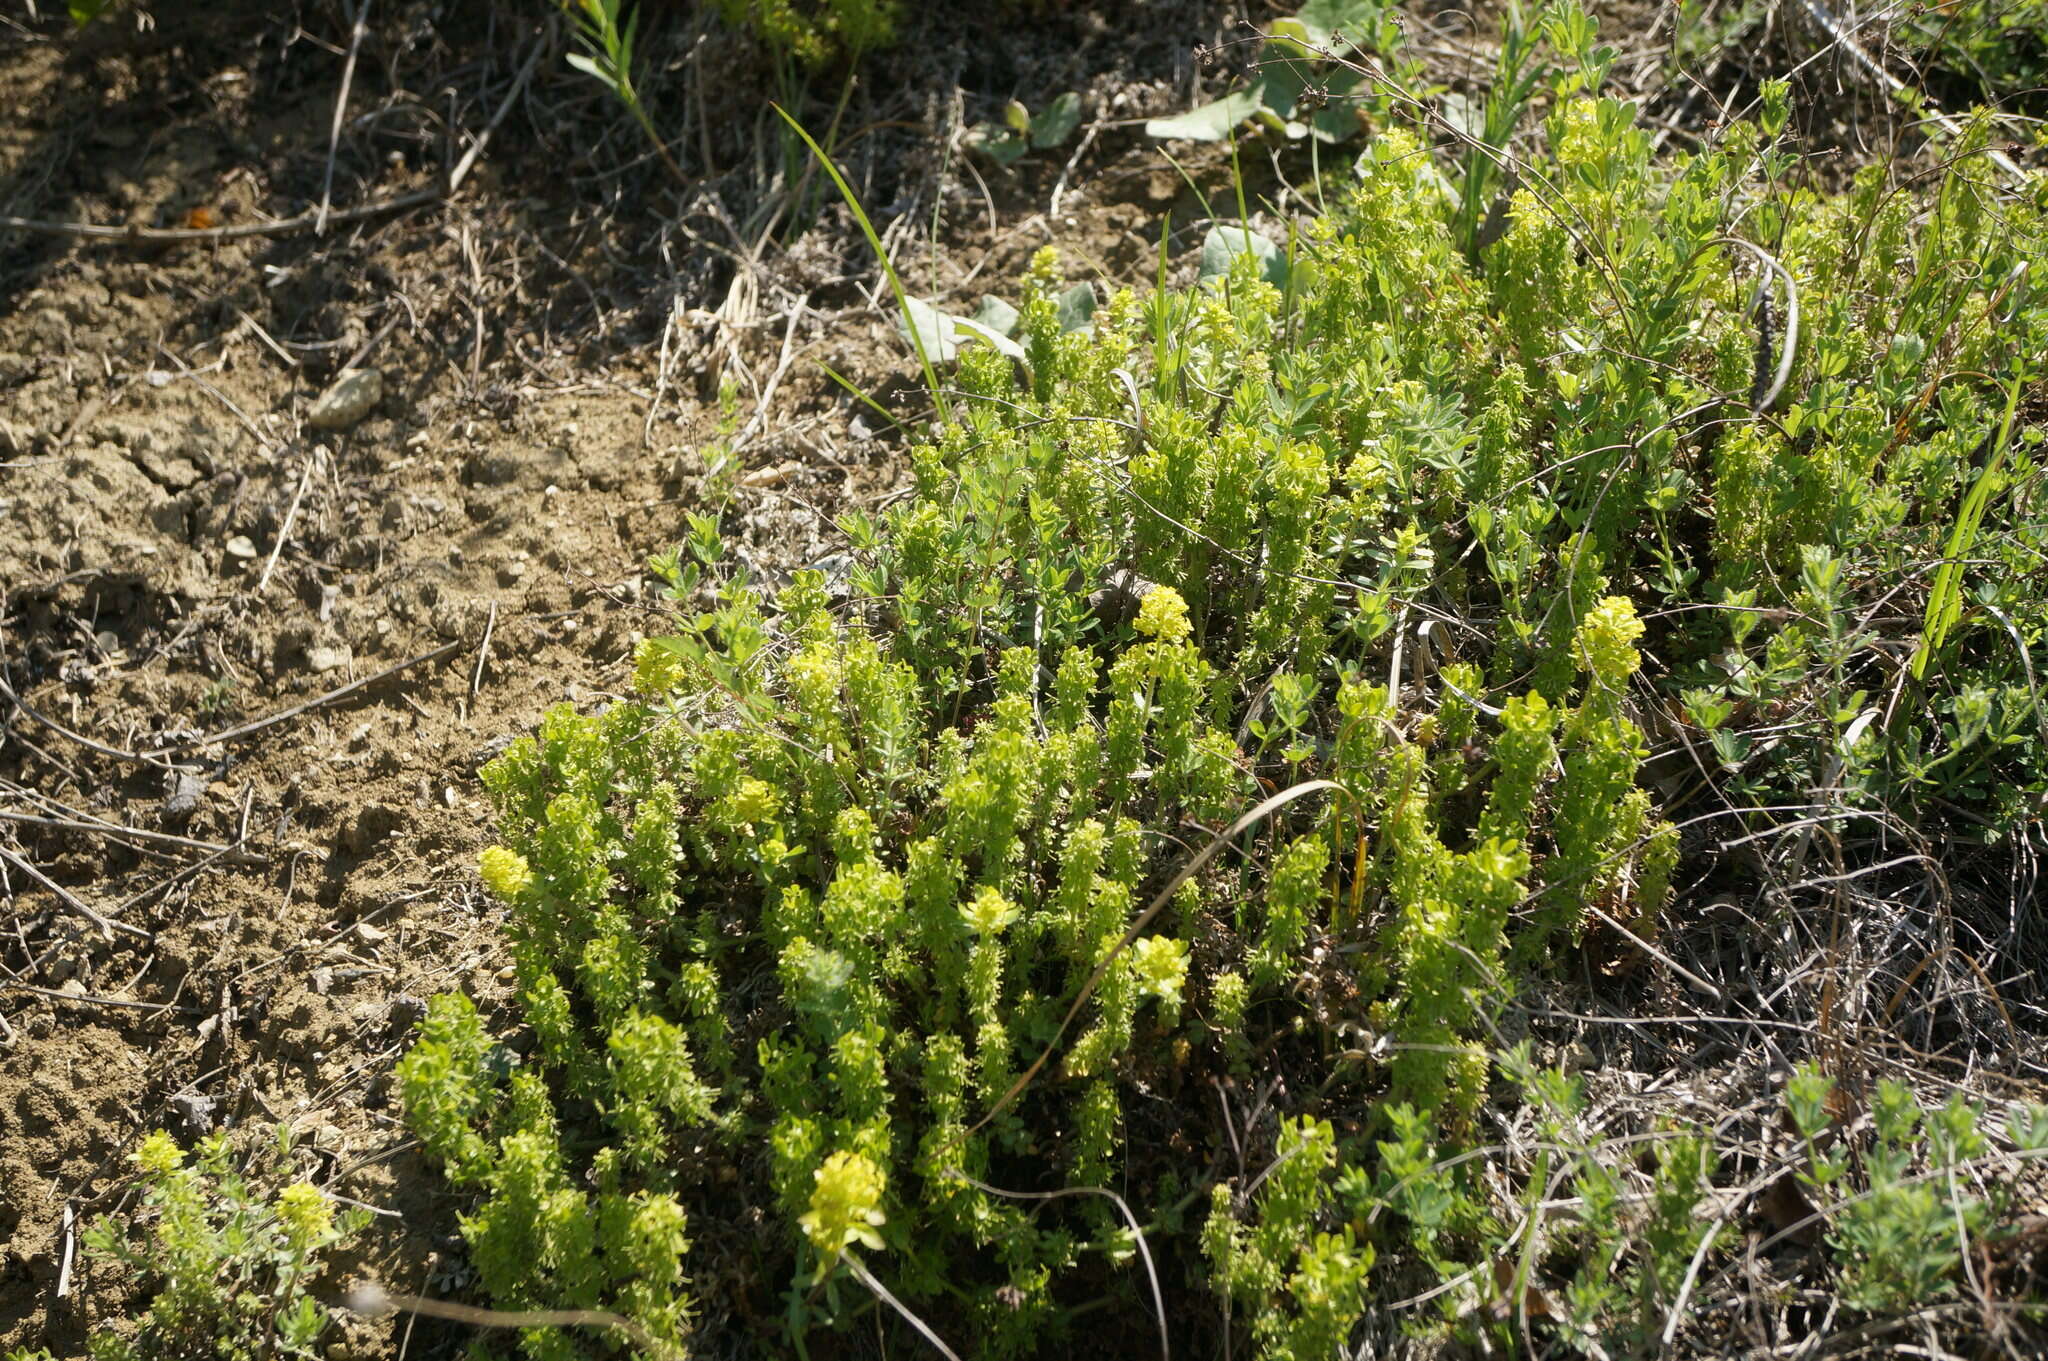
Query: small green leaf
[[1017, 117], [596, 69], [1058, 122], [1211, 122], [1225, 244], [999, 144], [1077, 308]]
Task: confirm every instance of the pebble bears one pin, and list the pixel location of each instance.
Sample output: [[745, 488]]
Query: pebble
[[195, 1111], [241, 547], [353, 396], [328, 658], [185, 795]]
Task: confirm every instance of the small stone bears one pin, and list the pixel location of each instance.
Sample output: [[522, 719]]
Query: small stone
[[195, 1111], [185, 794], [241, 547], [353, 396], [406, 1011], [328, 658]]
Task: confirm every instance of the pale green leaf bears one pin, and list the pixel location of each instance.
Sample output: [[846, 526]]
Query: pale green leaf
[[1211, 122], [1225, 244], [1058, 122]]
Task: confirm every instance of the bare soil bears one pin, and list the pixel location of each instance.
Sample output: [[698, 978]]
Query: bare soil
[[253, 666]]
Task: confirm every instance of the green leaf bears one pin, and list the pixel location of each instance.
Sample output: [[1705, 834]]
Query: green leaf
[[595, 68], [941, 334], [1225, 244], [1944, 600], [1338, 120], [1077, 308], [997, 143], [1058, 122], [1016, 117], [1211, 122], [996, 339], [1315, 29], [867, 227], [997, 315]]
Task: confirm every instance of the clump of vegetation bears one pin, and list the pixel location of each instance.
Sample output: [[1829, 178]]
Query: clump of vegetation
[[1997, 47], [885, 910], [814, 32], [229, 1268]]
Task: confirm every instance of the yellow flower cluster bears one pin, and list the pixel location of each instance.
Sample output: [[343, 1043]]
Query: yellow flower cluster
[[158, 1155], [846, 1206], [1607, 637], [305, 1214], [504, 872], [1163, 615], [989, 913]]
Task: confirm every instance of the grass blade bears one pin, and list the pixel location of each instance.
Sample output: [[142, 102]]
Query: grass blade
[[931, 377]]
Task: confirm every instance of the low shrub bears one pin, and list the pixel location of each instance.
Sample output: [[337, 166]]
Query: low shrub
[[861, 919], [228, 1268]]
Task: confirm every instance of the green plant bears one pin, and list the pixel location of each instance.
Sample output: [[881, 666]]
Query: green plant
[[1304, 88], [1902, 1212], [903, 300], [229, 1268], [1304, 1289], [1997, 51], [815, 31], [852, 913], [1022, 130], [605, 30]]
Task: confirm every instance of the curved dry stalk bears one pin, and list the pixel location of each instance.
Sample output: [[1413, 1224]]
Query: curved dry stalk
[[881, 1292], [1123, 1208], [374, 1301], [1790, 347]]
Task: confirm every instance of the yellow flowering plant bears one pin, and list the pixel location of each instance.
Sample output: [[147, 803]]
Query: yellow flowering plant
[[228, 1266]]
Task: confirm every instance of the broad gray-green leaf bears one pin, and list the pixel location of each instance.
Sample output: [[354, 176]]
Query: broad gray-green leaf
[[1077, 308], [1224, 244], [943, 333], [1058, 122], [996, 338], [1340, 119], [997, 315], [934, 329], [1314, 29], [1209, 123], [1466, 114]]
